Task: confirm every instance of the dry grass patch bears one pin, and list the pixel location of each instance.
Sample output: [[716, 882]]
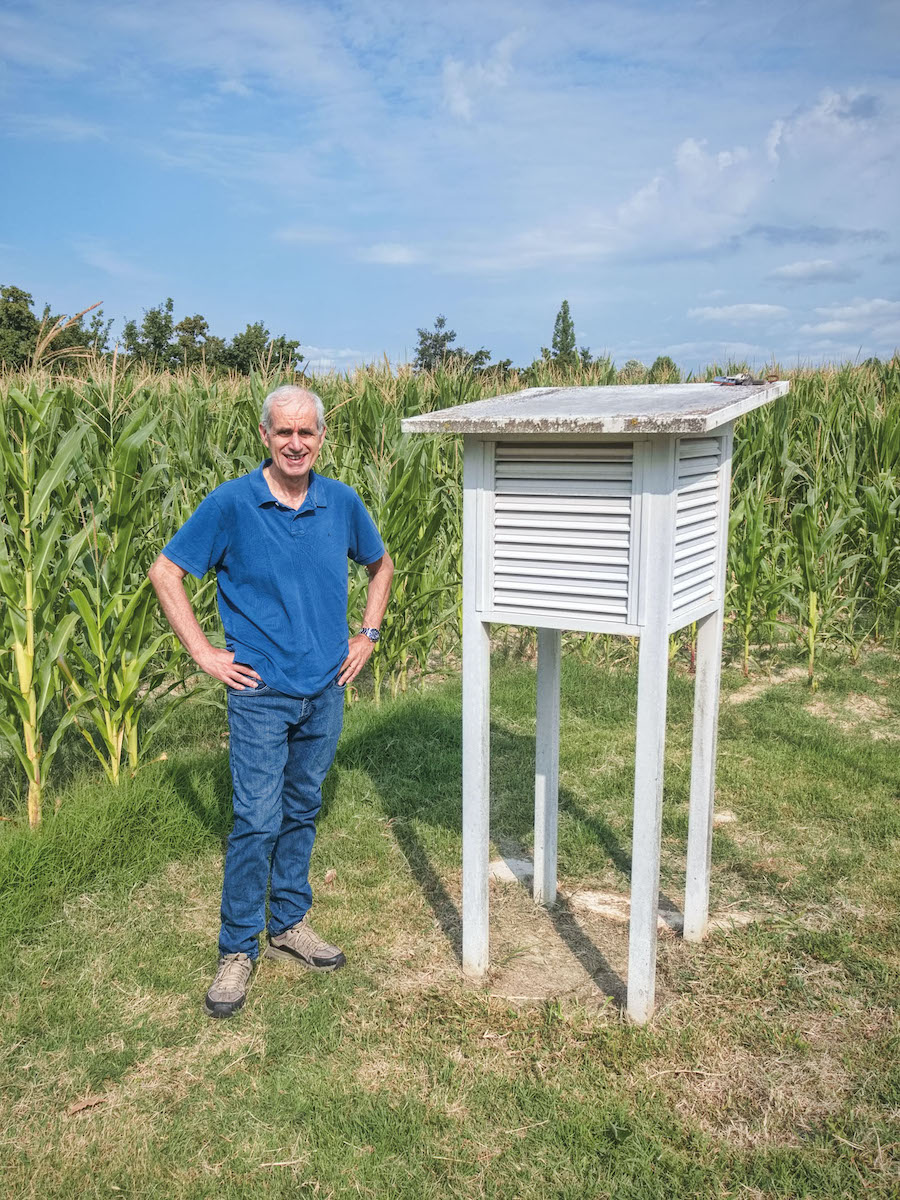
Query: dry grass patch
[[778, 1083], [752, 691], [185, 896], [169, 1074], [857, 714], [750, 1100], [376, 1072]]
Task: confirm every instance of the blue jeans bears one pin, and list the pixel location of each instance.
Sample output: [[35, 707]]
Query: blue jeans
[[281, 749]]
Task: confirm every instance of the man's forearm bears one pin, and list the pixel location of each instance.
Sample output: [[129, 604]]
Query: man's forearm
[[379, 589], [168, 580], [169, 586]]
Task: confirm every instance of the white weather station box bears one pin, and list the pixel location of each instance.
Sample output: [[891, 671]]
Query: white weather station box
[[600, 510]]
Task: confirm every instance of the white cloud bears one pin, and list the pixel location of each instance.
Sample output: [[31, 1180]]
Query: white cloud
[[97, 253], [772, 139], [309, 235], [234, 87], [865, 310], [827, 327], [705, 197], [60, 128], [296, 47], [834, 166], [234, 158], [738, 312], [716, 350], [391, 254], [837, 116], [446, 141], [25, 43], [879, 319], [463, 85], [816, 270], [323, 359], [814, 235]]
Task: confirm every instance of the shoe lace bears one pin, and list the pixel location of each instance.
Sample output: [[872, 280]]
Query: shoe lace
[[306, 934], [233, 969]]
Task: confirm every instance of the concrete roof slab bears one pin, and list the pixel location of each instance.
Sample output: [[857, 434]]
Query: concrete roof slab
[[665, 408]]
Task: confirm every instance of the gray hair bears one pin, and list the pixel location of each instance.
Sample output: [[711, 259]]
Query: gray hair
[[284, 395]]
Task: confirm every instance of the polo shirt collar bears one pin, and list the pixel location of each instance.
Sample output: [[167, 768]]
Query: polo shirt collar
[[316, 491], [262, 494]]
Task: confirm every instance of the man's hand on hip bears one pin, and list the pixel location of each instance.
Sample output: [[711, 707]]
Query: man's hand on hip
[[221, 665], [360, 652]]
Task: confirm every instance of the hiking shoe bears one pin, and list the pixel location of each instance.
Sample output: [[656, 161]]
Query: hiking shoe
[[302, 944], [230, 986]]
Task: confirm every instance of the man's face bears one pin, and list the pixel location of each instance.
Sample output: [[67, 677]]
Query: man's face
[[293, 441]]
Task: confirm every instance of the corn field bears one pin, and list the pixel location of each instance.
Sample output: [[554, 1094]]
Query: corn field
[[100, 469]]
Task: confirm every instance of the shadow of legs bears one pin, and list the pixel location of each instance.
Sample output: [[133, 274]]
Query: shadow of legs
[[433, 890], [566, 925], [610, 843]]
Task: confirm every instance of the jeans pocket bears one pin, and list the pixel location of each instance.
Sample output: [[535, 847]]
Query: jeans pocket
[[248, 691]]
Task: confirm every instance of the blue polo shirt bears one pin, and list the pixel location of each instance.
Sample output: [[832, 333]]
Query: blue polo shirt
[[281, 574]]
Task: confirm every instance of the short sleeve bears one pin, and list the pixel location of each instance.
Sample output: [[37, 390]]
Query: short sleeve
[[365, 544], [200, 543]]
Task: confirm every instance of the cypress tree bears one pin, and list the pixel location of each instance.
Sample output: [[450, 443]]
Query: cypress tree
[[564, 351]]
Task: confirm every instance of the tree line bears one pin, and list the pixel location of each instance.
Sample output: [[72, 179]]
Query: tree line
[[161, 342], [435, 348], [157, 340]]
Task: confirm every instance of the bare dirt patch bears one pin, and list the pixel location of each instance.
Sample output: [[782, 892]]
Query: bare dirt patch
[[561, 953], [857, 714], [576, 951], [751, 691]]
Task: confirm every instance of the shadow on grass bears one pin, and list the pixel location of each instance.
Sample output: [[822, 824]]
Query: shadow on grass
[[412, 753], [567, 927], [204, 785]]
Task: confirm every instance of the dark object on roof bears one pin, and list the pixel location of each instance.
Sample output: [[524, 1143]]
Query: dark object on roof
[[737, 380]]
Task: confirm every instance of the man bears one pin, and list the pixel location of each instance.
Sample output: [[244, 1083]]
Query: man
[[278, 539]]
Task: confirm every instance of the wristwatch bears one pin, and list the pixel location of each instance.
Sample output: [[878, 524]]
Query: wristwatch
[[372, 634]]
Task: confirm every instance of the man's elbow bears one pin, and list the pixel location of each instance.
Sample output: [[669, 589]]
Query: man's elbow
[[384, 568], [162, 569]]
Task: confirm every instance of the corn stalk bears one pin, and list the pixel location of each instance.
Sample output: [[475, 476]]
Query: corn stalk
[[881, 501], [120, 651], [36, 559], [117, 659], [822, 560]]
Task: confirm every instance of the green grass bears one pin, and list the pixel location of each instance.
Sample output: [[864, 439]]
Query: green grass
[[770, 1070]]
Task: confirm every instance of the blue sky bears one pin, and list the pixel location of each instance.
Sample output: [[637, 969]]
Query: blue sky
[[697, 179]]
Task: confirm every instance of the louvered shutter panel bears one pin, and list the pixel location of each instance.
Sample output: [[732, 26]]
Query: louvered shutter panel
[[697, 522], [562, 519]]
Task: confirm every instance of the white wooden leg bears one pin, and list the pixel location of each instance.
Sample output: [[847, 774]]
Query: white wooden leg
[[476, 773], [546, 776], [476, 795], [703, 775], [653, 670]]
